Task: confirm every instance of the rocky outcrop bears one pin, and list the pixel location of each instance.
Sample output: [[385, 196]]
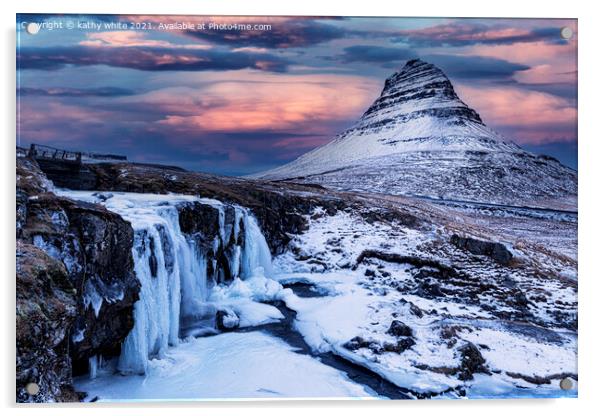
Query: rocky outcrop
[[441, 269], [497, 251], [46, 310], [93, 247]]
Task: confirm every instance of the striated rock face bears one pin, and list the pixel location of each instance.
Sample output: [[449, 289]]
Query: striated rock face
[[422, 90], [419, 138], [93, 247]]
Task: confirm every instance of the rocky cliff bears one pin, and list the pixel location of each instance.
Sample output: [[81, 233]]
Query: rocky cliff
[[86, 271]]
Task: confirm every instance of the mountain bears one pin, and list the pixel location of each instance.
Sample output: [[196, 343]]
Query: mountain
[[419, 138]]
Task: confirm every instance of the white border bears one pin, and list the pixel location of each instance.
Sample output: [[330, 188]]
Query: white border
[[590, 97]]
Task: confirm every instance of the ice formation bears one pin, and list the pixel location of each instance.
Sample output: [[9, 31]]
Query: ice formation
[[172, 269]]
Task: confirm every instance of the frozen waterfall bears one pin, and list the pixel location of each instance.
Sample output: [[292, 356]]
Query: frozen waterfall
[[172, 267]]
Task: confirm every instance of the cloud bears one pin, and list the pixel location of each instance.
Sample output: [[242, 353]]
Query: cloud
[[375, 53], [129, 38], [524, 116], [280, 103], [475, 67], [76, 92], [462, 34], [254, 31], [147, 59], [455, 66]]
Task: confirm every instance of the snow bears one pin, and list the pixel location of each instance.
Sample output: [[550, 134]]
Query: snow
[[516, 354], [419, 138], [93, 366], [354, 305], [226, 366], [326, 323], [78, 335]]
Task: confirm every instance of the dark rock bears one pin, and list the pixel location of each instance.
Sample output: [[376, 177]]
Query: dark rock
[[400, 346], [369, 272], [226, 320], [94, 246], [106, 248], [152, 258], [399, 329], [497, 251], [356, 343], [195, 217], [520, 299], [416, 311], [67, 174], [429, 290], [46, 309], [442, 270], [471, 362]]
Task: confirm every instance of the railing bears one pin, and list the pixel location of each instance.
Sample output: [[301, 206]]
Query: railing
[[38, 151], [46, 152]]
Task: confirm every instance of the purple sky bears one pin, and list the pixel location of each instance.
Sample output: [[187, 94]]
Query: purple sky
[[240, 101]]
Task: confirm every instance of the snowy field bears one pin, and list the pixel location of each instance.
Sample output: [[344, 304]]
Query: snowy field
[[454, 326]]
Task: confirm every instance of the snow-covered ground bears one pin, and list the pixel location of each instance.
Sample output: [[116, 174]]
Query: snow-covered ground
[[362, 301], [226, 366], [397, 300]]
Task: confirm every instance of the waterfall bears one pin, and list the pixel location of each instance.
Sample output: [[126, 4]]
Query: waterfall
[[256, 253], [172, 267]]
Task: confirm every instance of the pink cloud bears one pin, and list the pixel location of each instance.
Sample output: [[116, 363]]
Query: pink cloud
[[545, 74], [560, 56], [127, 38], [291, 103], [529, 116]]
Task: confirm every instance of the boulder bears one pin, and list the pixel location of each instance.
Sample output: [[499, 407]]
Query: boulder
[[399, 329], [497, 251], [471, 362]]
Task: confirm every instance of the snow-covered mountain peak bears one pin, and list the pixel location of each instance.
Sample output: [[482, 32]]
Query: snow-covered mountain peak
[[419, 138], [418, 110], [420, 86]]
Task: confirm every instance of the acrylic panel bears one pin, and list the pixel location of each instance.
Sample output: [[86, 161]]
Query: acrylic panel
[[231, 207]]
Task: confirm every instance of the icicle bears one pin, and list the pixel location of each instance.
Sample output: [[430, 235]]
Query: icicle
[[256, 251], [93, 366]]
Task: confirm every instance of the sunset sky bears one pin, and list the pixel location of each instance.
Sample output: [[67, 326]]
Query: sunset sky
[[241, 101]]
